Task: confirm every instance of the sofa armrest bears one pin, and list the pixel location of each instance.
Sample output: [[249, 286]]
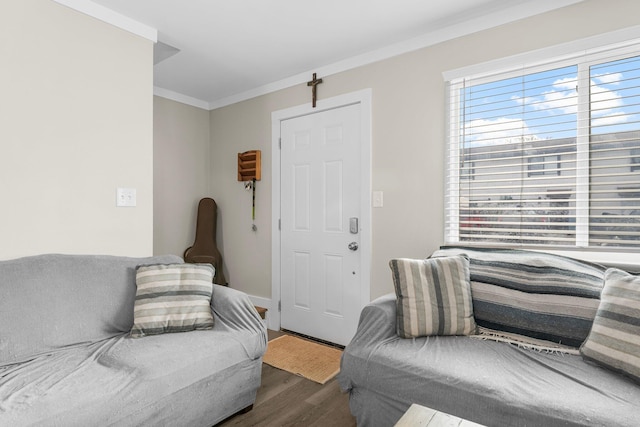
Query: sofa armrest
[[377, 326], [233, 311], [377, 322]]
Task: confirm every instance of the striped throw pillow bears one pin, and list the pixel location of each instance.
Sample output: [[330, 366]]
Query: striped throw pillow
[[172, 298], [533, 294], [614, 340], [433, 297]]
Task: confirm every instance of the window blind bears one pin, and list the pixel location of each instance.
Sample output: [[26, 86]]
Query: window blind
[[546, 156], [614, 150]]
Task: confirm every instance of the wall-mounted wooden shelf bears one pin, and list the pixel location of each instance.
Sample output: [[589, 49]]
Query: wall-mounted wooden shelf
[[249, 165]]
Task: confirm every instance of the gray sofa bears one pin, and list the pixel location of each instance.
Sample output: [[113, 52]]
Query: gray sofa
[[66, 359], [482, 378]]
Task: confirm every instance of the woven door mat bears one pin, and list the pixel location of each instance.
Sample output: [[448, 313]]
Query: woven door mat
[[316, 362]]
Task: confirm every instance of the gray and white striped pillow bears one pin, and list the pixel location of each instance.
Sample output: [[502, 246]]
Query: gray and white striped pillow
[[172, 298], [614, 340], [433, 297]]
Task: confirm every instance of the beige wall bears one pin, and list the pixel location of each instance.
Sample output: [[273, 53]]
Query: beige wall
[[75, 124], [181, 165], [408, 140], [246, 253]]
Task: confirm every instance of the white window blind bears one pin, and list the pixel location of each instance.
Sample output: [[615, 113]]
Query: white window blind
[[547, 156]]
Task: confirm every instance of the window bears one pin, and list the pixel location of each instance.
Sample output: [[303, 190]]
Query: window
[[466, 170], [635, 160], [544, 165], [552, 151]]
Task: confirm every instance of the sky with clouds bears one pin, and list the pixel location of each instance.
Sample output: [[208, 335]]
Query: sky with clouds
[[544, 105]]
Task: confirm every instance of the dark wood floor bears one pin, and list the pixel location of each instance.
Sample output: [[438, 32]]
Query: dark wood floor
[[285, 399]]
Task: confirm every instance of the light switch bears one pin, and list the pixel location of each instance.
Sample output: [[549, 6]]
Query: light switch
[[126, 197], [378, 201]]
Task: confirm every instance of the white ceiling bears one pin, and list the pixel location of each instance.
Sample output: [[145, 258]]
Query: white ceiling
[[230, 50]]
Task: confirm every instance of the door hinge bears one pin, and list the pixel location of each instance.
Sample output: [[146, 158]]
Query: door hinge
[[280, 143], [280, 306], [279, 224]]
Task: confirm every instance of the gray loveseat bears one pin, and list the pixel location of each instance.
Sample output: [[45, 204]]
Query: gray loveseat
[[482, 378], [66, 359]]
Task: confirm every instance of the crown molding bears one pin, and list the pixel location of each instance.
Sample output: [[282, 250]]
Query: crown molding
[[507, 14], [110, 17], [517, 10], [178, 97]]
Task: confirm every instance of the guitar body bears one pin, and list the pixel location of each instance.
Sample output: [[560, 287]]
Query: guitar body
[[204, 249]]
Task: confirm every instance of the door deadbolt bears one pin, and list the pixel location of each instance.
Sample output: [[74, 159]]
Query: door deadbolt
[[353, 225]]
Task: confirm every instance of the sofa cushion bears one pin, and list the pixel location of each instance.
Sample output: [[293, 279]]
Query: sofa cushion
[[487, 382], [433, 297], [194, 379], [53, 301], [534, 294], [172, 298], [614, 340]]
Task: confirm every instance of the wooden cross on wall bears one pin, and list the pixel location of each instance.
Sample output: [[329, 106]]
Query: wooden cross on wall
[[314, 85]]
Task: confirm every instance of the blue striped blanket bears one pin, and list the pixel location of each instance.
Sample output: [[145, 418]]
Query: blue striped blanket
[[533, 294]]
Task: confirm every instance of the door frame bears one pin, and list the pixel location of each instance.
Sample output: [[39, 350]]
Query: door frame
[[362, 97]]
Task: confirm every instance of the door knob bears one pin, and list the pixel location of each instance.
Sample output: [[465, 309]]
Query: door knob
[[353, 246]]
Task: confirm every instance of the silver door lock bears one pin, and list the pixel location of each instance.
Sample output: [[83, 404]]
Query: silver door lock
[[353, 225]]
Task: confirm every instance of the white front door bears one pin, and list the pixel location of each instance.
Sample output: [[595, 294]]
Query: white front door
[[321, 224]]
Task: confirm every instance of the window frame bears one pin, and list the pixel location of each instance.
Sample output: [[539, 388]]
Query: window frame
[[596, 50]]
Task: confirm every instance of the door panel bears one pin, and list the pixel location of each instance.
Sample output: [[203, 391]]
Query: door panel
[[302, 279], [320, 192]]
